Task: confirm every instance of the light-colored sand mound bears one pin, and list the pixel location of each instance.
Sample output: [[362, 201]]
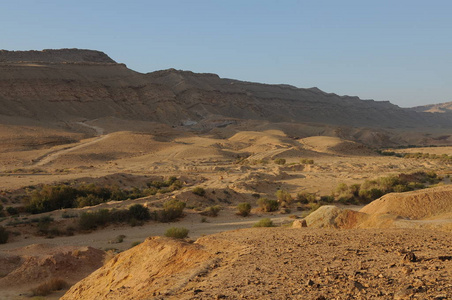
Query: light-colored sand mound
[[25, 268], [421, 204], [335, 145], [330, 216], [158, 264]]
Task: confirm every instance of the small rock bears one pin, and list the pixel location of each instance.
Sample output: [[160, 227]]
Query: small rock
[[409, 257], [299, 223], [406, 270], [310, 282], [358, 285]]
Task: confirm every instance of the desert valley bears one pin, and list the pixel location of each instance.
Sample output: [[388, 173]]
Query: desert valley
[[176, 185]]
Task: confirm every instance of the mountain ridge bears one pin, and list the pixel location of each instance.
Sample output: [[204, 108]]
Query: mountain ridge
[[74, 85]]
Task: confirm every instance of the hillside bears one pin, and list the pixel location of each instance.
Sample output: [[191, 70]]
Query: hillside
[[278, 263]]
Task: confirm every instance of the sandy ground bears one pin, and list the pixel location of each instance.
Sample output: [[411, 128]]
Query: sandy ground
[[241, 163]]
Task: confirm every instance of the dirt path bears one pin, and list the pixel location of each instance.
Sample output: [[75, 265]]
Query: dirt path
[[54, 154]]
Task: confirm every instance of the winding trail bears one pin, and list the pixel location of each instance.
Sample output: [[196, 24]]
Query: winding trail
[[52, 155]]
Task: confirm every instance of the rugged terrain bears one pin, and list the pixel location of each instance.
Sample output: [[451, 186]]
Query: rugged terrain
[[279, 263], [77, 118]]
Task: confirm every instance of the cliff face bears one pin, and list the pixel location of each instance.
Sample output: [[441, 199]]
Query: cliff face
[[69, 85]]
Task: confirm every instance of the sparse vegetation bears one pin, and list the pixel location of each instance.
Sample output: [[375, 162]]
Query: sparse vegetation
[[172, 210], [12, 211], [280, 161], [52, 197], [211, 211], [4, 235], [305, 198], [265, 222], [283, 197], [177, 232], [54, 284], [199, 191], [306, 161], [267, 205], [139, 212], [374, 189], [244, 209]]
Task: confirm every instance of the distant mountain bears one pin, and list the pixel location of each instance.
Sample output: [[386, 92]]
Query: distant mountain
[[55, 56], [71, 85], [435, 108]]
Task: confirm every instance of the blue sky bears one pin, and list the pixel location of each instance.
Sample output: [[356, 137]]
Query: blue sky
[[399, 51]]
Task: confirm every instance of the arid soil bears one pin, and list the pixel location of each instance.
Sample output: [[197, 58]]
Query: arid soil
[[76, 117], [280, 263]]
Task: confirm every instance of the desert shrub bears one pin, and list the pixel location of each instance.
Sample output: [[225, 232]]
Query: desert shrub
[[172, 210], [4, 235], [12, 211], [51, 198], [150, 191], [244, 209], [327, 199], [341, 188], [54, 284], [306, 161], [199, 191], [266, 222], [91, 220], [386, 184], [305, 198], [139, 212], [313, 207], [211, 211], [400, 188], [89, 200], [280, 161], [267, 205], [283, 196], [177, 232], [371, 194]]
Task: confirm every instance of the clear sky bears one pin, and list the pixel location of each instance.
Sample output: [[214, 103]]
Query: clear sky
[[396, 50]]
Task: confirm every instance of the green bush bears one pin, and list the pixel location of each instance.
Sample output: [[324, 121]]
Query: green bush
[[211, 211], [89, 200], [139, 212], [244, 209], [199, 191], [283, 196], [4, 235], [12, 211], [305, 198], [51, 198], [177, 232], [172, 210], [280, 161], [266, 222], [307, 161], [267, 205]]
